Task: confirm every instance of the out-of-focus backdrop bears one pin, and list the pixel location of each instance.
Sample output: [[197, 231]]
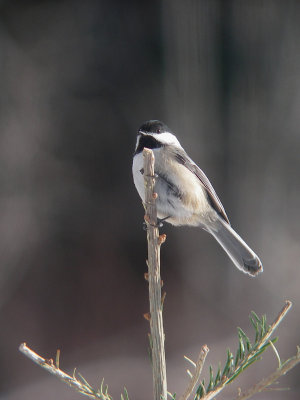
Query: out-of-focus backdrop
[[77, 79]]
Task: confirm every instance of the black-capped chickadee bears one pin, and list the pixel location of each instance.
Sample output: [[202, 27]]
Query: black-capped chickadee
[[185, 195]]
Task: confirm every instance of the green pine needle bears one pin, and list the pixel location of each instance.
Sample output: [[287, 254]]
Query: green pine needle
[[211, 379], [84, 381], [255, 316], [218, 375], [126, 397], [246, 354]]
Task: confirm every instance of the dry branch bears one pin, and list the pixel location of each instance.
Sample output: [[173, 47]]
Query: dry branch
[[154, 243], [272, 378], [80, 385], [196, 376]]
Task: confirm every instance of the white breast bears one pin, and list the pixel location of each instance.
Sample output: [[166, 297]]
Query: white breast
[[138, 178], [192, 207]]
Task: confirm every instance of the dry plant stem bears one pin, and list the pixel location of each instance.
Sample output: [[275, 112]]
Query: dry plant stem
[[196, 376], [278, 319], [49, 366], [213, 393], [265, 382], [156, 321]]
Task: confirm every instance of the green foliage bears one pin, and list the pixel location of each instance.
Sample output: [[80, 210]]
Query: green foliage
[[101, 393], [125, 397], [88, 390], [246, 354]]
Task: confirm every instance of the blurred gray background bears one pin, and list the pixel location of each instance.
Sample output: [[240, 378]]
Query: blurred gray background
[[77, 79]]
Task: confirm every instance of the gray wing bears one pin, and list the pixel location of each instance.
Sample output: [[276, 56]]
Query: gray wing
[[184, 159]]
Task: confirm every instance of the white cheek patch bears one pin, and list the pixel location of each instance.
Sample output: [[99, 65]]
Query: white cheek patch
[[137, 141], [166, 138]]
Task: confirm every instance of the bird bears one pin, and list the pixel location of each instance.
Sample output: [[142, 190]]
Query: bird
[[185, 196]]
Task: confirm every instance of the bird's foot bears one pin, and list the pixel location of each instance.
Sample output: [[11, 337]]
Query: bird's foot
[[161, 220], [158, 225]]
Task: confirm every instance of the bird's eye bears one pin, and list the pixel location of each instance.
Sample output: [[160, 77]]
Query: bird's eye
[[158, 130]]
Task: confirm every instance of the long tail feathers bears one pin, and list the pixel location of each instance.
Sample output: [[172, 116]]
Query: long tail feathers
[[240, 253]]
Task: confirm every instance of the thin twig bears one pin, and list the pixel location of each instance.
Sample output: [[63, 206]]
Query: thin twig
[[266, 338], [196, 376], [277, 321], [282, 313], [154, 243], [265, 382], [213, 393], [48, 364], [220, 386]]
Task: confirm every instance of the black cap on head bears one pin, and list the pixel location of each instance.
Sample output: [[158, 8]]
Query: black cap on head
[[153, 126]]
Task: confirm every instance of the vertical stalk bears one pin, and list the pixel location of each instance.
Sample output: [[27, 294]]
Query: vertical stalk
[[155, 283]]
